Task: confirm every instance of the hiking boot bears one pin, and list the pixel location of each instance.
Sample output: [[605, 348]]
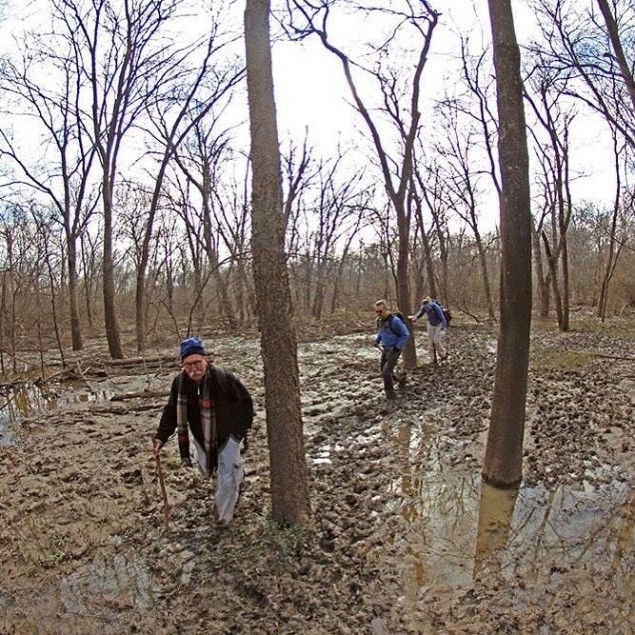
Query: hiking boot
[[391, 394], [219, 522], [401, 381]]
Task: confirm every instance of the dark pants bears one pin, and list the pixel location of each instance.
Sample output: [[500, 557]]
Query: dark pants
[[389, 359]]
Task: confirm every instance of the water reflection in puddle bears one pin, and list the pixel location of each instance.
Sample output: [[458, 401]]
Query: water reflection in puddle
[[21, 400], [459, 529], [101, 588]]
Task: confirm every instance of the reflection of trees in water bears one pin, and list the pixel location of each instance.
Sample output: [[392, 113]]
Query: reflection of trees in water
[[414, 571], [438, 509], [551, 538], [456, 530], [409, 508], [574, 525], [495, 512], [561, 550], [18, 401]]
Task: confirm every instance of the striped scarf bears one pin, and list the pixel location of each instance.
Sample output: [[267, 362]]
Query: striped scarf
[[208, 420]]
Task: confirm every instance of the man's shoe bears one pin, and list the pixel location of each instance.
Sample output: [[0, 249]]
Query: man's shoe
[[391, 395], [219, 522]]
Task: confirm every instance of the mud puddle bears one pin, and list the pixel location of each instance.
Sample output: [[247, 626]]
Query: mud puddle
[[103, 587], [22, 400], [461, 532], [406, 538]]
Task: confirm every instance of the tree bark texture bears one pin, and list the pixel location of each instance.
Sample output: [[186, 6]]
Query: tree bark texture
[[77, 340], [289, 475], [113, 333], [503, 455], [618, 50]]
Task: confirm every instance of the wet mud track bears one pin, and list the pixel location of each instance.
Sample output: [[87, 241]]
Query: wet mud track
[[406, 539]]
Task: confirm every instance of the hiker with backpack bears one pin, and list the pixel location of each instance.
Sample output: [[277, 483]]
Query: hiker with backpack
[[437, 327], [213, 408], [392, 335]]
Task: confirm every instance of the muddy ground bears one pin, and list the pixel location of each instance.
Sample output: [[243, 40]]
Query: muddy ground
[[406, 540]]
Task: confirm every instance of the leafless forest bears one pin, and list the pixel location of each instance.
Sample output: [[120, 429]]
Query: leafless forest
[[153, 185], [126, 183]]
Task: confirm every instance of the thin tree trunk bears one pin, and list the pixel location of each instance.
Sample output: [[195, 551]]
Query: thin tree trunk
[[56, 327], [614, 36], [543, 282], [482, 257], [113, 334], [553, 278], [76, 330], [611, 258], [403, 281]]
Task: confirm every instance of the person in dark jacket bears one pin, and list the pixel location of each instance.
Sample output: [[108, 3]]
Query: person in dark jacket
[[437, 327], [392, 335], [213, 408]]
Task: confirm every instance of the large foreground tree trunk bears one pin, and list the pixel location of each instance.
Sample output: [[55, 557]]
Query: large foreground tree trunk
[[289, 475], [504, 451]]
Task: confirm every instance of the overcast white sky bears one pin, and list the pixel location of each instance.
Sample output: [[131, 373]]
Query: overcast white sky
[[311, 91]]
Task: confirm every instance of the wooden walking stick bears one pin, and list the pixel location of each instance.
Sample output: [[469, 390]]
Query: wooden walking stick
[[164, 494]]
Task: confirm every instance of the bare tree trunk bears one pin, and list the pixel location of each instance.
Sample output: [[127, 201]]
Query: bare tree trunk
[[613, 249], [553, 278], [564, 255], [618, 50], [482, 257], [88, 265], [504, 451], [111, 322], [564, 216], [543, 282], [56, 326], [289, 474], [397, 184], [9, 295], [211, 248], [432, 283], [403, 283], [3, 314], [77, 341]]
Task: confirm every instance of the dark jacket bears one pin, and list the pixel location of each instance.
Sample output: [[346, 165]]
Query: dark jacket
[[232, 403]]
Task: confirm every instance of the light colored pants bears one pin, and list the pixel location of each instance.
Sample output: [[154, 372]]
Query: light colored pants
[[231, 472], [229, 476], [435, 340]]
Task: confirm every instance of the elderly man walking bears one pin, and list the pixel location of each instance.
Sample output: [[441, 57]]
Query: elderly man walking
[[213, 407]]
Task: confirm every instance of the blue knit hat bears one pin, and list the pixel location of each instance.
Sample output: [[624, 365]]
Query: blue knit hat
[[192, 346]]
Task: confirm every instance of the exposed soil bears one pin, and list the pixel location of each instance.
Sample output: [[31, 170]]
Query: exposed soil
[[406, 538]]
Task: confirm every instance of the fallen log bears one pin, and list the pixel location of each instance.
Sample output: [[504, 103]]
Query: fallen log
[[136, 361], [145, 394]]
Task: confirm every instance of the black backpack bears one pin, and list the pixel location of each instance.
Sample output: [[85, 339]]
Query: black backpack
[[400, 315], [446, 312]]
